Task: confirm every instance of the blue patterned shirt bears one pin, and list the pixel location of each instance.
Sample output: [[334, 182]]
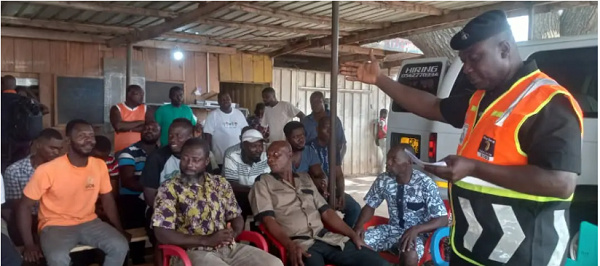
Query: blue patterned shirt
[[411, 204]]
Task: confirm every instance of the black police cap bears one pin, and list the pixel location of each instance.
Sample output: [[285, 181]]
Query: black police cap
[[480, 28]]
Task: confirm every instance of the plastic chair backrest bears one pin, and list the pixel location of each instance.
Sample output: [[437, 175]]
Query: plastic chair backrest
[[587, 249], [175, 251], [435, 249]]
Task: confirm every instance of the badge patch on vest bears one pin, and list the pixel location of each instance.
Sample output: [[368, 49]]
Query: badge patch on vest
[[486, 148]]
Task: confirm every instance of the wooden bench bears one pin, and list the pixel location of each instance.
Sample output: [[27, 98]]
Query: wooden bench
[[137, 235]]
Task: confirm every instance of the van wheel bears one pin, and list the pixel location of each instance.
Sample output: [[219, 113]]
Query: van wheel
[[573, 246]]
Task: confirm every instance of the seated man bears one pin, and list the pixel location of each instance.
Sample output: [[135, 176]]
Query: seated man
[[67, 189], [290, 208], [345, 202], [103, 151], [162, 165], [238, 146], [244, 164], [10, 255], [131, 161], [193, 210], [414, 205], [306, 160], [46, 147]]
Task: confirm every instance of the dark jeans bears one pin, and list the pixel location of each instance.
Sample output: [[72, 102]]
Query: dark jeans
[[10, 255], [132, 213], [322, 253], [351, 210]]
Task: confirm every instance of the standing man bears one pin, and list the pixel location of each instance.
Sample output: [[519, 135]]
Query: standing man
[[166, 114], [317, 105], [67, 189], [514, 174], [277, 114], [223, 127], [254, 121], [21, 122], [127, 118], [381, 136]]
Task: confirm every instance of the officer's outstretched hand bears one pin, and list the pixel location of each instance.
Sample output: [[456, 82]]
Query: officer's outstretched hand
[[366, 72], [457, 168]]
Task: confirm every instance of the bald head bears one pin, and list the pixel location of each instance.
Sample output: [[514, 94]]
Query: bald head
[[280, 157], [399, 152], [399, 164]]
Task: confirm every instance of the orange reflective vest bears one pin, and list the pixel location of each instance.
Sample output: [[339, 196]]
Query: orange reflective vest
[[498, 226], [126, 139]]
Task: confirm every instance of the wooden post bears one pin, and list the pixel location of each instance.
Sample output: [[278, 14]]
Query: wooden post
[[333, 147], [129, 65]]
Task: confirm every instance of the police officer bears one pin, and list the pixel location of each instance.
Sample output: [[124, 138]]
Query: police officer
[[515, 171]]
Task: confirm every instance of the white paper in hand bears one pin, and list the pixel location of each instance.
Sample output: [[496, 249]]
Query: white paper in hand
[[421, 163]]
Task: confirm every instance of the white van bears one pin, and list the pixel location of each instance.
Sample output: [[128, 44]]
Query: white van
[[572, 61]]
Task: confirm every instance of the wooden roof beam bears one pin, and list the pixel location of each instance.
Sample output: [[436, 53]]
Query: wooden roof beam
[[406, 28], [205, 39], [107, 30], [43, 34], [353, 49], [267, 28], [204, 9], [293, 16], [67, 26], [404, 6], [113, 8], [29, 33], [186, 47]]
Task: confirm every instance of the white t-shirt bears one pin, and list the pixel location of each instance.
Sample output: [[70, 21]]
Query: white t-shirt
[[225, 130], [276, 118]]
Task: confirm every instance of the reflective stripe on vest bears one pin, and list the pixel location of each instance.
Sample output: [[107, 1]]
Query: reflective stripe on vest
[[495, 225]]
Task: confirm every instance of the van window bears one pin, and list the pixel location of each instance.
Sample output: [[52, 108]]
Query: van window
[[575, 69], [421, 76]]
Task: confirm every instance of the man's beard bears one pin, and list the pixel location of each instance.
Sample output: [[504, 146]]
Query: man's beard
[[145, 141], [81, 153], [191, 179]]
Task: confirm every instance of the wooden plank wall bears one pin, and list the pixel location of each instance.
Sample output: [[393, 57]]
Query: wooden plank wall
[[45, 60], [358, 109], [245, 68], [246, 95]]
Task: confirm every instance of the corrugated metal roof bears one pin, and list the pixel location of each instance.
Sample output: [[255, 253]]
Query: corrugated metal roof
[[356, 12]]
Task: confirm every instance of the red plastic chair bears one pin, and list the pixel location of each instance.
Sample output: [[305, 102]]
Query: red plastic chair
[[175, 251], [378, 220], [375, 221], [280, 248]]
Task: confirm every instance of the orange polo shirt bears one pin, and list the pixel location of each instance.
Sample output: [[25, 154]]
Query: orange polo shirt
[[67, 193]]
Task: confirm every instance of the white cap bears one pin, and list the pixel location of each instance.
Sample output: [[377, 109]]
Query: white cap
[[252, 135]]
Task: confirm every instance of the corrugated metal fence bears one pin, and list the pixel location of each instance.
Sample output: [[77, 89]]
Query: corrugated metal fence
[[358, 108]]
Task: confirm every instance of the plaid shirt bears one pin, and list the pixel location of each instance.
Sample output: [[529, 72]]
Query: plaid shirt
[[16, 177]]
